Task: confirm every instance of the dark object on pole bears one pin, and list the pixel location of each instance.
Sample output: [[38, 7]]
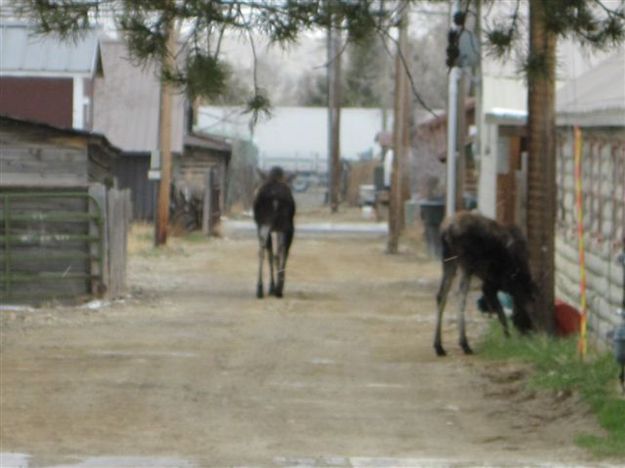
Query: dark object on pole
[[453, 52], [459, 18]]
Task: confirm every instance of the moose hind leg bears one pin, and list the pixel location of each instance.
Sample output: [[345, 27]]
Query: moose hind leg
[[465, 282], [449, 271], [281, 263], [272, 283], [263, 232]]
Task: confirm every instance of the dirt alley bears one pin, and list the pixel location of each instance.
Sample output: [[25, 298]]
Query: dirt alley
[[191, 367]]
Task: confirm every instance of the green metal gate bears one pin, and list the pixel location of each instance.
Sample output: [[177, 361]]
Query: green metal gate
[[52, 246]]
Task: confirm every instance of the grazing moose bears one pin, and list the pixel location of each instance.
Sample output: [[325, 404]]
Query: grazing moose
[[274, 210], [498, 256]]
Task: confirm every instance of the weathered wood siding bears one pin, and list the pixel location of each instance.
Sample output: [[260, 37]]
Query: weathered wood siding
[[42, 167], [603, 188], [33, 158], [44, 251]]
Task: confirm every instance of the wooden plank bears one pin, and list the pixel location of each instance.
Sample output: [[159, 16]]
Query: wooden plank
[[206, 208], [41, 180], [118, 214], [98, 192], [42, 166]]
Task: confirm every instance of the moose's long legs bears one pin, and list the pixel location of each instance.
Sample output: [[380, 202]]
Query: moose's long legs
[[276, 260], [465, 282], [449, 272], [264, 236]]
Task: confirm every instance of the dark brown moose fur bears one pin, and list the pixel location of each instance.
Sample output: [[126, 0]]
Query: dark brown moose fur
[[494, 253], [274, 211]]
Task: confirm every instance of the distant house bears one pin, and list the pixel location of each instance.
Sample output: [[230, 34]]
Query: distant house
[[48, 81], [126, 109]]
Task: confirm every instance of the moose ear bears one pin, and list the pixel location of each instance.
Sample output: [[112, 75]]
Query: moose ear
[[261, 174]]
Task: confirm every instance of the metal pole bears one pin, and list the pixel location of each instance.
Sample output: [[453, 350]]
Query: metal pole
[[451, 140], [452, 121]]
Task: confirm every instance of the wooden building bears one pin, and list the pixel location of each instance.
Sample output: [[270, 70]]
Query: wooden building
[[46, 80], [62, 223]]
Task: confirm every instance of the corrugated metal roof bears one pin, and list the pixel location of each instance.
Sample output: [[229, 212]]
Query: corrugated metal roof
[[23, 51], [596, 96], [127, 100]]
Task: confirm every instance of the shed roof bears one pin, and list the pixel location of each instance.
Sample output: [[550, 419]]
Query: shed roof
[[23, 52], [126, 106], [8, 122], [597, 97], [215, 143]]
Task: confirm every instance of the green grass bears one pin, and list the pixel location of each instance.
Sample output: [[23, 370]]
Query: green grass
[[558, 367], [195, 237]]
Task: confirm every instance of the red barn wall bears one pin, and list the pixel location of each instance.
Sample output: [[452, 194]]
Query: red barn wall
[[44, 100]]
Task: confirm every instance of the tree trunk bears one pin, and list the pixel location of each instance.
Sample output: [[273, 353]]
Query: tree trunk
[[541, 207]]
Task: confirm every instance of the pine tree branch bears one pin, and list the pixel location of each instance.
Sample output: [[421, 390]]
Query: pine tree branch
[[612, 13]]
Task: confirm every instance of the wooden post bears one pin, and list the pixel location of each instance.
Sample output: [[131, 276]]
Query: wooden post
[[334, 117], [101, 267], [206, 204], [404, 162], [162, 211], [399, 122]]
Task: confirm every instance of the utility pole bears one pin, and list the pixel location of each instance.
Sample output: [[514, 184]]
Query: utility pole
[[164, 142], [399, 139], [334, 116]]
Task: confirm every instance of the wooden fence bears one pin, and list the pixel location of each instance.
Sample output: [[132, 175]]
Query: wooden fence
[[63, 245], [117, 206]]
